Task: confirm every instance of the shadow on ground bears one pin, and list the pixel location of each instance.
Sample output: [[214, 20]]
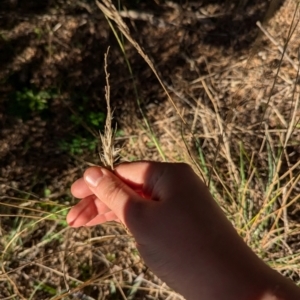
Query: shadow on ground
[[52, 78]]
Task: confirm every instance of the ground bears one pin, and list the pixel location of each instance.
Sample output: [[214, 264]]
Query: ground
[[235, 120]]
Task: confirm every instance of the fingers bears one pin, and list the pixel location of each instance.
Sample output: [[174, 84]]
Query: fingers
[[125, 191], [80, 190], [83, 212], [136, 175], [114, 193], [87, 210], [99, 219], [158, 181], [142, 176], [90, 210]]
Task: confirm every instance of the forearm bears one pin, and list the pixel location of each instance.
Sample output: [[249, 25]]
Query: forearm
[[269, 286], [281, 288], [256, 281], [232, 272]]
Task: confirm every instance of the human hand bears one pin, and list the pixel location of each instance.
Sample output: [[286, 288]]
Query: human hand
[[180, 231]]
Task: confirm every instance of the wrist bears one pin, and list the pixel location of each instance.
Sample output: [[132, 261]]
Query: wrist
[[237, 275], [280, 288]]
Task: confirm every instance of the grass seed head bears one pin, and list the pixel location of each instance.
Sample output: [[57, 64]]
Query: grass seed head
[[108, 153]]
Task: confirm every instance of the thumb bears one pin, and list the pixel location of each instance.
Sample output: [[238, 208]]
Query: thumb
[[114, 193]]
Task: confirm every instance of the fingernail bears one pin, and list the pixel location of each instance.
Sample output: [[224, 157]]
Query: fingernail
[[93, 176]]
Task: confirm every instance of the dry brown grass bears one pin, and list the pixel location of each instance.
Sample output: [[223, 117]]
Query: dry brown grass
[[248, 147], [108, 153]]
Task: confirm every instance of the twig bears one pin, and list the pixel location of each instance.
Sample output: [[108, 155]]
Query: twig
[[280, 48]]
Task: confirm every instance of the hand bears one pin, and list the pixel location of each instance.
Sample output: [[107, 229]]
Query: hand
[[180, 231]]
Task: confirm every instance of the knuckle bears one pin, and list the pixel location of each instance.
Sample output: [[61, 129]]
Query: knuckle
[[117, 196], [112, 190], [182, 168], [185, 167], [136, 213]]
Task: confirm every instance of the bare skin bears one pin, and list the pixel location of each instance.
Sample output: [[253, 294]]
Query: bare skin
[[180, 231]]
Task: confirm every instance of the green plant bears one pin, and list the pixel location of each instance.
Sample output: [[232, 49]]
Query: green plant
[[35, 101], [38, 32], [78, 145], [29, 100], [91, 118], [86, 122]]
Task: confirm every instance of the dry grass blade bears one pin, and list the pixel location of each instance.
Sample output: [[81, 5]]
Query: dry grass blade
[[280, 48], [111, 12], [273, 6], [108, 153]]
